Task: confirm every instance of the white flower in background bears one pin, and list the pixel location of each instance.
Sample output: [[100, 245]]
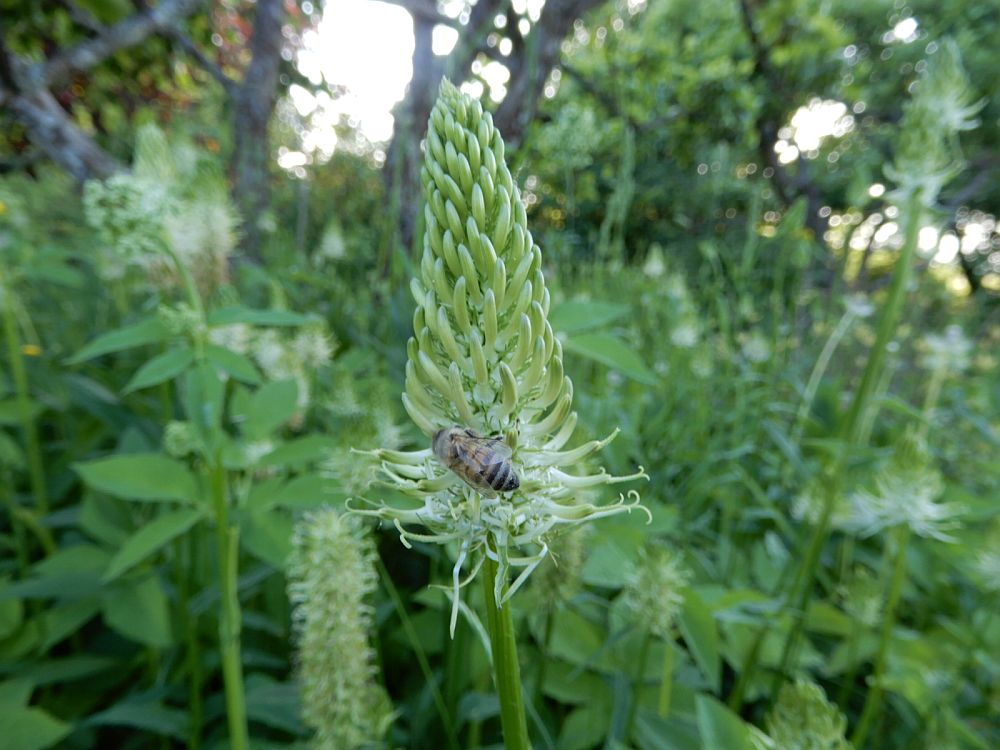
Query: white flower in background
[[484, 357], [332, 246], [807, 507], [237, 337], [654, 590], [950, 351], [313, 347], [685, 335], [907, 493], [756, 348], [655, 266], [858, 305]]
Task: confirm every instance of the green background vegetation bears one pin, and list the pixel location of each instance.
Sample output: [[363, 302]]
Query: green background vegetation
[[699, 287]]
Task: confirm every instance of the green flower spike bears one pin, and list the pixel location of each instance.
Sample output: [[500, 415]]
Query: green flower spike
[[484, 357]]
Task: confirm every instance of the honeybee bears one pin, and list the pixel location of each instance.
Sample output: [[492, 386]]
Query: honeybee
[[484, 463]]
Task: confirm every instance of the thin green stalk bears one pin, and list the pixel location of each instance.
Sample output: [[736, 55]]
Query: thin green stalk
[[539, 692], [852, 433], [666, 680], [506, 670], [640, 674], [418, 651], [36, 472], [873, 701], [819, 369], [227, 543], [189, 625]]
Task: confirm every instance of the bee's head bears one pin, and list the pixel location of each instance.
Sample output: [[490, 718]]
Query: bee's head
[[440, 439]]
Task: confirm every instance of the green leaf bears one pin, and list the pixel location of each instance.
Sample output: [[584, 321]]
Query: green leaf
[[268, 536], [10, 411], [138, 610], [274, 704], [148, 715], [720, 727], [584, 728], [270, 407], [61, 621], [53, 671], [699, 630], [150, 538], [11, 613], [613, 352], [234, 363], [26, 728], [571, 317], [230, 315], [304, 450], [161, 368], [149, 331], [204, 394], [140, 476], [15, 693]]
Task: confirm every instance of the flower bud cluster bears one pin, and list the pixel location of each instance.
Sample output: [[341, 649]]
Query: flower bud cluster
[[172, 202], [484, 357], [803, 719], [928, 155], [331, 579], [654, 591]]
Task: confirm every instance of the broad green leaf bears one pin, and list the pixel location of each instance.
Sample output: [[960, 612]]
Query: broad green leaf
[[55, 272], [234, 363], [613, 352], [230, 315], [53, 671], [268, 536], [651, 732], [204, 393], [138, 610], [584, 728], [149, 331], [27, 728], [63, 620], [574, 638], [150, 716], [720, 727], [571, 317], [274, 704], [10, 411], [140, 476], [698, 627], [11, 613], [270, 407], [161, 368], [304, 450], [150, 538], [15, 693]]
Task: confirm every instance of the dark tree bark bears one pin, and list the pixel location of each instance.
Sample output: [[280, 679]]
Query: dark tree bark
[[531, 61], [253, 105]]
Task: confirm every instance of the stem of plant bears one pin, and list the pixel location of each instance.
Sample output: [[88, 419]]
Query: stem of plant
[[506, 669], [227, 542], [873, 701], [851, 433], [19, 374], [666, 680]]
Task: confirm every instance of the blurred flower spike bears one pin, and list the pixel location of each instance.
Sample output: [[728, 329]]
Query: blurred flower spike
[[484, 357]]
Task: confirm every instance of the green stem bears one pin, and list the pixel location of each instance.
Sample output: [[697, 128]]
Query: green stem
[[873, 701], [852, 431], [506, 670], [819, 369], [189, 625], [539, 693], [888, 322], [666, 679], [227, 543], [12, 334]]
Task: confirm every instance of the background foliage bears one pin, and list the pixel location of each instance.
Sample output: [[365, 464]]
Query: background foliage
[[714, 294]]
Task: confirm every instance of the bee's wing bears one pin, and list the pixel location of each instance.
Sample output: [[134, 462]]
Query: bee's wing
[[498, 446]]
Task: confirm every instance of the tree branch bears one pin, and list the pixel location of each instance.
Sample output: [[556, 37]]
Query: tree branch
[[426, 10], [209, 66], [124, 34]]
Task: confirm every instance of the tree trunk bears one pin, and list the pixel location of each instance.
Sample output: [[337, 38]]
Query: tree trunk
[[252, 109]]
